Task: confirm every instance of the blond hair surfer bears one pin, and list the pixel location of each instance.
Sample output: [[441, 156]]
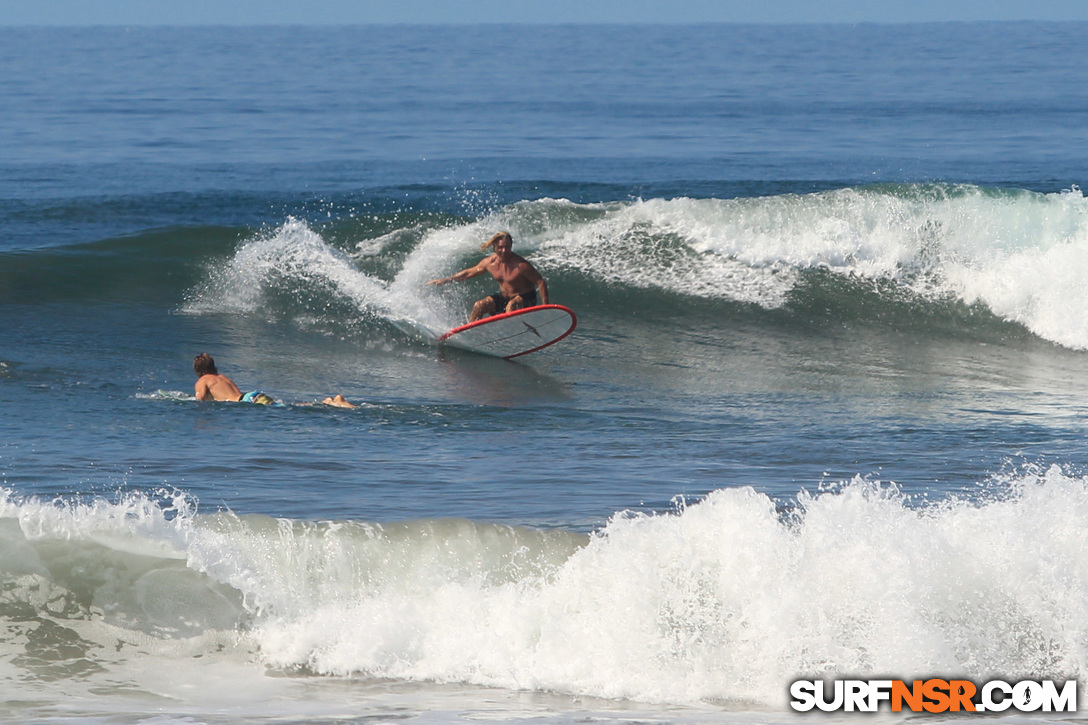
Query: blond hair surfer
[[520, 285]]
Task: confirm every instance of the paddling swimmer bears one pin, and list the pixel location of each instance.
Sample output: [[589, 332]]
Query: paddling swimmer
[[210, 385], [519, 282]]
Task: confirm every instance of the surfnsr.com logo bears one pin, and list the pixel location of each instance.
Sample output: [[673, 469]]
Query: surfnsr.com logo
[[933, 695]]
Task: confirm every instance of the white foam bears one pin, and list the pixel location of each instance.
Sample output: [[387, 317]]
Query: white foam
[[722, 601], [1023, 255], [728, 599]]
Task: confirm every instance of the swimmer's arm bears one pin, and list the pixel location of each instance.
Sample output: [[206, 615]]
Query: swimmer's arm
[[202, 390]]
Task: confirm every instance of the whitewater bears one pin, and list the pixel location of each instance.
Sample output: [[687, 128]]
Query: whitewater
[[720, 600]]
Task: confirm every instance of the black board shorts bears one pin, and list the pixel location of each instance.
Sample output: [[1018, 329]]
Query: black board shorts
[[501, 301]]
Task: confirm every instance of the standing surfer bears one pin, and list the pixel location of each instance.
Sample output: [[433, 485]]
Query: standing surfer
[[519, 282]]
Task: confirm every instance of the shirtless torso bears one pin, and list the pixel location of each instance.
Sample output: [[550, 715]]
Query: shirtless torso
[[514, 275], [520, 284], [217, 387], [210, 385]]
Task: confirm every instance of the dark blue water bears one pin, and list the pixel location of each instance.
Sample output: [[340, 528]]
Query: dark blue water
[[841, 260]]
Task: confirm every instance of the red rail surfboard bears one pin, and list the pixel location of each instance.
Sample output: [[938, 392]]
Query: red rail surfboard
[[516, 333]]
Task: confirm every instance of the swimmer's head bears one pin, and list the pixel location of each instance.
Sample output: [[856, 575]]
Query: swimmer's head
[[203, 364]]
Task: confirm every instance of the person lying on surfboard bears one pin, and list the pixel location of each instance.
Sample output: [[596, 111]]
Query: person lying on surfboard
[[210, 385], [519, 282]]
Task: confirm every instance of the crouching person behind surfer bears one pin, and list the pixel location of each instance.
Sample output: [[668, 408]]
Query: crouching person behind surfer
[[210, 385], [520, 285]]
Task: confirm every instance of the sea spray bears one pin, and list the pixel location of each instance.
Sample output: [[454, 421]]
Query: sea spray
[[290, 262]]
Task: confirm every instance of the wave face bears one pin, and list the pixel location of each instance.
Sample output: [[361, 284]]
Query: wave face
[[917, 254], [721, 600]]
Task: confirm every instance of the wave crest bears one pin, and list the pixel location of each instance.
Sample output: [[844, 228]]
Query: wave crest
[[1019, 254]]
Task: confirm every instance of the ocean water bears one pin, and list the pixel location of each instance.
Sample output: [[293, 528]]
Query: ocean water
[[823, 414]]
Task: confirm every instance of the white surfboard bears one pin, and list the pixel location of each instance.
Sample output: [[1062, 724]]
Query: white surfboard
[[516, 333], [416, 329]]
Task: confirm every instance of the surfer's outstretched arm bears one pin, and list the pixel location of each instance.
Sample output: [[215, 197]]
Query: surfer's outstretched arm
[[463, 274]]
